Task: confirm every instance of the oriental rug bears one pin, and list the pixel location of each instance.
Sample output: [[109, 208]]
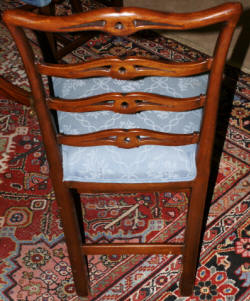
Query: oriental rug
[[34, 263]]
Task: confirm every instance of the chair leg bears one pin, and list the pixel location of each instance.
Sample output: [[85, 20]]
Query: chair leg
[[194, 226], [73, 239]]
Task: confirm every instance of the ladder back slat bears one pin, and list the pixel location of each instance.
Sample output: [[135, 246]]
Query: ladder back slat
[[127, 103], [128, 68], [128, 138]]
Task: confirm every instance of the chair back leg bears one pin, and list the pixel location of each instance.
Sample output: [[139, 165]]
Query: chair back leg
[[192, 243], [73, 238]]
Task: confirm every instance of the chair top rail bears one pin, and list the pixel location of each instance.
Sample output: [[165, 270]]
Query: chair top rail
[[123, 21]]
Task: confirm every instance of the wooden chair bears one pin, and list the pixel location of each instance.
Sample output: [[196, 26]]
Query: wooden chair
[[176, 160]]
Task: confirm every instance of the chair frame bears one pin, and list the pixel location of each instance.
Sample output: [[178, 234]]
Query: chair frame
[[123, 22]]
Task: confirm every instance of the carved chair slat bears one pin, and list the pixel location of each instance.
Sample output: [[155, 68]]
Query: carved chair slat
[[128, 138], [128, 68], [127, 103]]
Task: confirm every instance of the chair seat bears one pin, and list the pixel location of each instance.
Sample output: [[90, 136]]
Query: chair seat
[[150, 164]]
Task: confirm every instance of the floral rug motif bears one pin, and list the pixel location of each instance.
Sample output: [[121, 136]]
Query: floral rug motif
[[34, 263]]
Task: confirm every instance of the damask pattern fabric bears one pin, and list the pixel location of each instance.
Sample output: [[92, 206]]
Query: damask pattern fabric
[[149, 163]]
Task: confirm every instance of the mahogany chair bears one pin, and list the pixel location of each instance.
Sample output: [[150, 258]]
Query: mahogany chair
[[170, 110]]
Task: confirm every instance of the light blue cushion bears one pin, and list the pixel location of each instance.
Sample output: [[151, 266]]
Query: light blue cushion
[[38, 3], [146, 164]]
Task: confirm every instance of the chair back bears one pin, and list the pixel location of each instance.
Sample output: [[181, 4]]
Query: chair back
[[124, 22]]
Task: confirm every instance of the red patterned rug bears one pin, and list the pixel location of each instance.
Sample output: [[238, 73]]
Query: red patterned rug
[[34, 263]]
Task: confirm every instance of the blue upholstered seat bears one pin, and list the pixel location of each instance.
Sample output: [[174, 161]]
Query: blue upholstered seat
[[146, 164], [38, 3]]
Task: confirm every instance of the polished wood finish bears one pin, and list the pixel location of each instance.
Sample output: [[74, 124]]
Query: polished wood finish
[[149, 248], [122, 22], [128, 68], [127, 103], [89, 187], [127, 20], [128, 138]]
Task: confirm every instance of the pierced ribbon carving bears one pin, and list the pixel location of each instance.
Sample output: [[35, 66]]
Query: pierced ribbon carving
[[128, 138], [128, 68], [127, 103]]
